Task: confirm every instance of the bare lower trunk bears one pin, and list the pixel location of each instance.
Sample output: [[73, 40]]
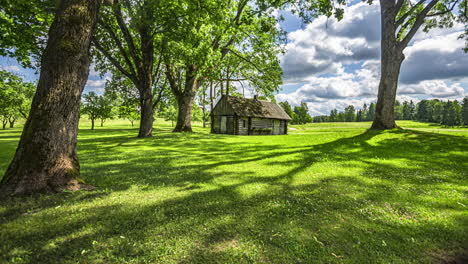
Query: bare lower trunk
[[146, 118], [211, 106], [92, 124], [391, 59], [102, 122], [12, 123], [185, 100], [384, 117], [46, 159], [4, 124], [184, 118]]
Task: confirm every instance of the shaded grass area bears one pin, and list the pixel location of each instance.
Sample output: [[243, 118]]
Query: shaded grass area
[[318, 195]]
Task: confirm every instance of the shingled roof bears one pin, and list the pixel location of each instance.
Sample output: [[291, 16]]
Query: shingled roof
[[256, 108]]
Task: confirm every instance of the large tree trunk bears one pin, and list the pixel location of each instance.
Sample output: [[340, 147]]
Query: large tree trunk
[[92, 124], [185, 100], [12, 123], [391, 59], [211, 106], [184, 117], [46, 158], [146, 117]]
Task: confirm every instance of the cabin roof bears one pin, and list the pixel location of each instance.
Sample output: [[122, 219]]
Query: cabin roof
[[256, 108]]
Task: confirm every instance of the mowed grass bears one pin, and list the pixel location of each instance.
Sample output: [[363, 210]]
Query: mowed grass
[[325, 193]]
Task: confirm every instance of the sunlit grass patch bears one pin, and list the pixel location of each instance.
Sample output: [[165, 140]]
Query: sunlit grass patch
[[325, 193]]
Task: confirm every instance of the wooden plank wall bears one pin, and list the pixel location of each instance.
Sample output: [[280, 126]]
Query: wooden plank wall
[[243, 130]]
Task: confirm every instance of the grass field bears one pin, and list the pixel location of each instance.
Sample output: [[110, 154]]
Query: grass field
[[325, 193]]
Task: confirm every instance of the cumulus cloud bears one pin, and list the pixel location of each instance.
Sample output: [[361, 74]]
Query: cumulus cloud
[[338, 63], [439, 57], [325, 44]]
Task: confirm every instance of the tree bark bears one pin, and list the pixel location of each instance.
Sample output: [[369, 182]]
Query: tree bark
[[211, 106], [146, 117], [92, 124], [184, 117], [46, 158], [391, 60], [12, 123], [4, 124], [185, 98]]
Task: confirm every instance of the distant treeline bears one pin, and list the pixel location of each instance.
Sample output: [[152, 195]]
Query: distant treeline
[[449, 113]]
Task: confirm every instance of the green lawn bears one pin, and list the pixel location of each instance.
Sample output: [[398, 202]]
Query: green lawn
[[325, 193]]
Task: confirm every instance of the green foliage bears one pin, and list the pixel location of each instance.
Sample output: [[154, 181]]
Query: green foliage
[[301, 114], [170, 114], [350, 114], [15, 97], [97, 107], [128, 109], [465, 111], [23, 29]]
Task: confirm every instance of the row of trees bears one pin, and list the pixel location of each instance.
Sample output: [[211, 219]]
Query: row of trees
[[449, 113], [111, 105], [300, 114], [15, 98]]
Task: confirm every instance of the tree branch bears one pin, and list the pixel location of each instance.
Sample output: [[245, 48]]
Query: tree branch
[[405, 16], [126, 33], [399, 4], [158, 98], [117, 41], [112, 59], [444, 12], [172, 82], [417, 24]]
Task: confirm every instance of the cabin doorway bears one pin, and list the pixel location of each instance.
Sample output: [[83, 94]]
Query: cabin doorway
[[223, 124], [276, 127]]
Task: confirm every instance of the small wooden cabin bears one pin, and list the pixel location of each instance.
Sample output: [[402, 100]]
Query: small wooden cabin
[[241, 116]]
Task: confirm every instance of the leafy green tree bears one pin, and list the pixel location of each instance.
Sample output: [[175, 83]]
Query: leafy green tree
[[398, 110], [128, 44], [15, 98], [371, 113], [46, 157], [302, 114], [170, 114], [287, 108], [23, 29], [465, 111], [334, 115], [97, 107], [204, 38], [401, 20], [350, 114], [365, 113], [452, 114], [408, 110], [90, 107], [359, 116], [129, 110]]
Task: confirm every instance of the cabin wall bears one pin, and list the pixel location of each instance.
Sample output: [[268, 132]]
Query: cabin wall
[[261, 126], [283, 127], [243, 124]]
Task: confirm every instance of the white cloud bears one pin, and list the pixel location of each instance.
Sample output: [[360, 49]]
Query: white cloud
[[338, 63], [96, 83], [12, 68]]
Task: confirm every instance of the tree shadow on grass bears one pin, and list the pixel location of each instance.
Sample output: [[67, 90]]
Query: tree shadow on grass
[[380, 203]]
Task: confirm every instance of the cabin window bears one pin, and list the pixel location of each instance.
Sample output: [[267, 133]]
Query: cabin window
[[243, 123]]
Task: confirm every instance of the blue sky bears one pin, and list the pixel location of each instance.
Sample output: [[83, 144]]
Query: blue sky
[[330, 64]]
